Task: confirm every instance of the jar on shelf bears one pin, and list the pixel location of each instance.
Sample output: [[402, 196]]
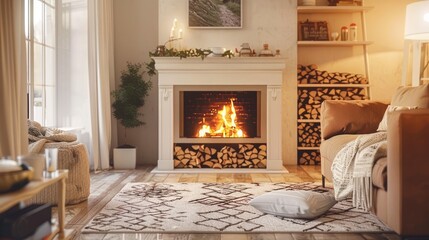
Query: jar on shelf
[[353, 32], [344, 33]]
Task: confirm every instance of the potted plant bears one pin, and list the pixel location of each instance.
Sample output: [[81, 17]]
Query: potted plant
[[128, 99]]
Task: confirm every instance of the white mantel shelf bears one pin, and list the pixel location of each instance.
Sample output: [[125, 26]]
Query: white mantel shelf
[[212, 72], [220, 63], [220, 70]]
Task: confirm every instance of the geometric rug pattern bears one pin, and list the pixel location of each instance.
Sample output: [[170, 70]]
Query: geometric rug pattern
[[217, 207]]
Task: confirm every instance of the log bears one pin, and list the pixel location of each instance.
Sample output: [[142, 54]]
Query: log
[[308, 157], [206, 156], [315, 76], [309, 105]]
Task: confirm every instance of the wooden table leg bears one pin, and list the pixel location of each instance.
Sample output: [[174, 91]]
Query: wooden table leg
[[61, 206]]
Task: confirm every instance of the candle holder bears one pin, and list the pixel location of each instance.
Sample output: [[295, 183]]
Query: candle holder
[[171, 40]]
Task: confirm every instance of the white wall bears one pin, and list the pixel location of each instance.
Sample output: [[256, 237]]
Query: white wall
[[136, 33], [265, 21]]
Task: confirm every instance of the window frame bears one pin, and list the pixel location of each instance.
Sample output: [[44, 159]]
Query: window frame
[[47, 116]]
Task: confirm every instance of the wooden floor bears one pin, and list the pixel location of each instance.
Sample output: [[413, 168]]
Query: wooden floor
[[104, 185]]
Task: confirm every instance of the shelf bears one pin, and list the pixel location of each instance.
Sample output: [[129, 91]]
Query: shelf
[[332, 85], [333, 43], [7, 200], [308, 120], [308, 148], [333, 9]]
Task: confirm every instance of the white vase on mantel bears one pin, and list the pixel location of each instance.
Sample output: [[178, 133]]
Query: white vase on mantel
[[124, 158]]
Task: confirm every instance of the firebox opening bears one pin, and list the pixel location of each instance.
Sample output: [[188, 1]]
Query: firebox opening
[[220, 114]]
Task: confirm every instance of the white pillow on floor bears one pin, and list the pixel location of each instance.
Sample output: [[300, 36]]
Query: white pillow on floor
[[294, 203]]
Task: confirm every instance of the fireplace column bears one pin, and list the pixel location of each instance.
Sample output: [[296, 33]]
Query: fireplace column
[[165, 128], [274, 127]]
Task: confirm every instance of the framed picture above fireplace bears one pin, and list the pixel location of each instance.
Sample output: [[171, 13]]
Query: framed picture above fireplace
[[215, 13]]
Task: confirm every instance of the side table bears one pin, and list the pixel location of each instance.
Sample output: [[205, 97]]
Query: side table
[[8, 200]]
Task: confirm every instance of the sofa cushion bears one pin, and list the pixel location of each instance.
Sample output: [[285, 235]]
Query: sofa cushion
[[329, 149], [412, 96], [379, 174], [350, 117]]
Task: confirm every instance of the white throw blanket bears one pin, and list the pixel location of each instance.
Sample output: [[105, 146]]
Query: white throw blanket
[[39, 136], [352, 168]]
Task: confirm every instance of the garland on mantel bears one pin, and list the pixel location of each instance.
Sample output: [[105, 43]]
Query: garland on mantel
[[193, 52], [172, 52]]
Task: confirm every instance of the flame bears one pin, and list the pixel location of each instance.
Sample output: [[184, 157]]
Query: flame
[[227, 126]]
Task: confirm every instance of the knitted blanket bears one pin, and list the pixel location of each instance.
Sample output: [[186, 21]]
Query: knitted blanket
[[39, 136], [352, 168]]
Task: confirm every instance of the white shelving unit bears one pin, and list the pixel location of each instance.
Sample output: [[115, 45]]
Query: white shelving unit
[[362, 43]]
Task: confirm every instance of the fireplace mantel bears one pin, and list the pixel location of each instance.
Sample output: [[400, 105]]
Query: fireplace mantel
[[220, 71], [217, 71]]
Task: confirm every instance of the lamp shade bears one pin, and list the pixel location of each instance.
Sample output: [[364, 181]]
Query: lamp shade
[[417, 21]]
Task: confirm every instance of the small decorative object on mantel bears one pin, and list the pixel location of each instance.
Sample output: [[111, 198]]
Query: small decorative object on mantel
[[266, 52], [175, 36], [245, 50], [217, 52]]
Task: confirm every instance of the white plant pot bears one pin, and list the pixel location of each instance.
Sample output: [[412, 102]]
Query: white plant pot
[[124, 158]]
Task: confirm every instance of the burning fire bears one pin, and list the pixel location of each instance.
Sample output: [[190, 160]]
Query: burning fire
[[227, 126]]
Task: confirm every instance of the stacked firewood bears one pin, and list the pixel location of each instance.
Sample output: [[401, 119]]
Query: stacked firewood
[[310, 75], [309, 157], [217, 156], [310, 99], [309, 134]]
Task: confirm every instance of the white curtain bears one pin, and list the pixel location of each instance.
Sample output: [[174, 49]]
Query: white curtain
[[102, 70], [13, 115], [85, 66]]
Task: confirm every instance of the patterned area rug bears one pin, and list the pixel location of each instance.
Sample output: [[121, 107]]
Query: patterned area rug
[[216, 207]]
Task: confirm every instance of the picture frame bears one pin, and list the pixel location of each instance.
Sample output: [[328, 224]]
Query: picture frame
[[215, 14], [313, 31]]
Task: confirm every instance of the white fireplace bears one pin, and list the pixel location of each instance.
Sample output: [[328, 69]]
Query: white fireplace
[[251, 85]]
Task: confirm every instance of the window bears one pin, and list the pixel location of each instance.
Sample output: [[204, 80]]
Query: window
[[40, 36]]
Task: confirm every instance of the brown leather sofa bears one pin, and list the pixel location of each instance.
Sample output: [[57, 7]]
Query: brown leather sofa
[[400, 180]]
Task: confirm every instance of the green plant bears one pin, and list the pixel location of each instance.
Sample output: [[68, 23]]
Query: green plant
[[130, 96]]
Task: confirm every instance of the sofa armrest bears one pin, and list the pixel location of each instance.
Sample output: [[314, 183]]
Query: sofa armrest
[[407, 172], [350, 117]]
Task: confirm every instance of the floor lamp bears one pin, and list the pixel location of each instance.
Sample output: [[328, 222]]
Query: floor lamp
[[416, 33]]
